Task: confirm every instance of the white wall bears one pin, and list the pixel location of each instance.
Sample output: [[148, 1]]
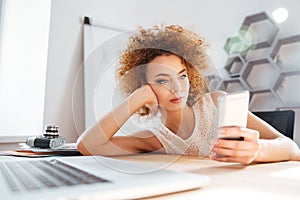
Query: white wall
[[23, 75], [216, 20], [66, 56]]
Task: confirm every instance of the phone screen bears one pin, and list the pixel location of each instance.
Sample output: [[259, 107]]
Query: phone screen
[[233, 111]]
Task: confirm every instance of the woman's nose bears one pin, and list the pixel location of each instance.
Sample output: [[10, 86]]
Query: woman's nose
[[175, 86]]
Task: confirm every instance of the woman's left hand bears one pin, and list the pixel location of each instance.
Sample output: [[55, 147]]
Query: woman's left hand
[[241, 151]]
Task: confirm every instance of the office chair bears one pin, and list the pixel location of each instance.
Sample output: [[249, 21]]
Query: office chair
[[283, 121]]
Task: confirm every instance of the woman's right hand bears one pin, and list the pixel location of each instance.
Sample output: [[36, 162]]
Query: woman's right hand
[[147, 97]]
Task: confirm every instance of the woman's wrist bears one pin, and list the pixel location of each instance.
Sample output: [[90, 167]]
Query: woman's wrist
[[136, 101], [260, 153]]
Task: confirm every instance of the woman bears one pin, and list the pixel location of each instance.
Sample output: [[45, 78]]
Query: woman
[[161, 74]]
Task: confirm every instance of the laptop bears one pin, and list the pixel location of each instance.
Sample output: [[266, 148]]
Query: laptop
[[89, 177]]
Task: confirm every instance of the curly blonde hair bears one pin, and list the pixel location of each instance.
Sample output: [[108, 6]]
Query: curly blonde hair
[[149, 43]]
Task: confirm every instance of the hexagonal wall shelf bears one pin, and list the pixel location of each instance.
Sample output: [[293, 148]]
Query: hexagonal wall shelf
[[233, 85], [269, 70], [263, 100], [262, 28], [286, 52], [256, 54], [213, 82], [238, 44], [287, 88], [260, 74], [234, 66]]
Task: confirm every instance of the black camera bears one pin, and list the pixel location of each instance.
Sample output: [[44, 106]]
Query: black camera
[[50, 139]]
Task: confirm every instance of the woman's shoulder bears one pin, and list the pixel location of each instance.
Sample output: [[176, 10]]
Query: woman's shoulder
[[214, 96]]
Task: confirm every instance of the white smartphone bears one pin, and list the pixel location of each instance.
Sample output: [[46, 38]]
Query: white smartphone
[[233, 110]]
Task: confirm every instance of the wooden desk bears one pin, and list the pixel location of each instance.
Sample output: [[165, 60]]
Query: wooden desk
[[231, 180]]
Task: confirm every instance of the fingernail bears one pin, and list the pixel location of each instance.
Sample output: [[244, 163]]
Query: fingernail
[[215, 149], [221, 131], [216, 144]]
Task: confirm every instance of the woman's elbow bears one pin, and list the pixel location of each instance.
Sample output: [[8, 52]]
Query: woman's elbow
[[82, 148]]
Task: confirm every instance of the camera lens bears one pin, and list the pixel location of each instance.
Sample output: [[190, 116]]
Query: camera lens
[[51, 131], [30, 141]]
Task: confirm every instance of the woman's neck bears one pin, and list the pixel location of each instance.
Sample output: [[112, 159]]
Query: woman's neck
[[180, 120]]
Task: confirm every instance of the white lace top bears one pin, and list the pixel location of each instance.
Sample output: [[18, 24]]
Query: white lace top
[[201, 140]]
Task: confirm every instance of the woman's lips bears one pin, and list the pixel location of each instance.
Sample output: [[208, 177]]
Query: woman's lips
[[176, 100]]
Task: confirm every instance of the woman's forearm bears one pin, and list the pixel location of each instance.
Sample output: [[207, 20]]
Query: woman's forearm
[[279, 149], [101, 132]]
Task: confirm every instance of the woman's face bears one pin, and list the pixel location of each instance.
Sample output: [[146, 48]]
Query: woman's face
[[169, 81]]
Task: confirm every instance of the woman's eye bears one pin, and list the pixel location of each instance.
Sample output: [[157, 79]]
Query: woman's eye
[[183, 76], [161, 81]]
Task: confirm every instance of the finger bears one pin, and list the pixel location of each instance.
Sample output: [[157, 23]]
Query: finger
[[242, 160], [153, 108], [247, 134], [233, 152], [234, 144], [230, 132]]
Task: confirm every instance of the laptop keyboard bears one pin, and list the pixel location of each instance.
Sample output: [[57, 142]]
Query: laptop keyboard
[[41, 174]]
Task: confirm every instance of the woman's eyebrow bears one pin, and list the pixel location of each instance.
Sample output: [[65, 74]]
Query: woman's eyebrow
[[183, 70], [164, 74]]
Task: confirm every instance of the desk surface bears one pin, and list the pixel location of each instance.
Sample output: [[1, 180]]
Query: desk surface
[[275, 181], [231, 180]]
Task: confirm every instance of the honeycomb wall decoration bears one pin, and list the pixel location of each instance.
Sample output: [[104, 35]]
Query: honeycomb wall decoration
[[263, 64]]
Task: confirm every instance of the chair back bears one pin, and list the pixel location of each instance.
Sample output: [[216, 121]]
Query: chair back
[[283, 121]]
